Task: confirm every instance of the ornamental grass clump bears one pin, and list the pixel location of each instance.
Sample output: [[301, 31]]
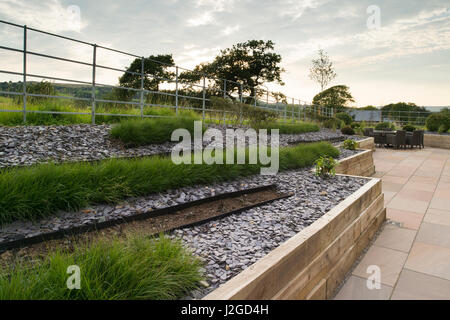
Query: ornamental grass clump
[[136, 268], [148, 131]]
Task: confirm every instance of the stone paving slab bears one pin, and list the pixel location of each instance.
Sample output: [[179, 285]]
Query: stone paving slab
[[413, 249]]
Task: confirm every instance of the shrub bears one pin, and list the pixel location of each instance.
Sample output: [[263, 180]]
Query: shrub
[[355, 125], [344, 117], [443, 128], [348, 130], [39, 191], [332, 123], [384, 126], [148, 131], [135, 268], [44, 87], [238, 112], [349, 144], [436, 120], [325, 166], [409, 127], [256, 117]]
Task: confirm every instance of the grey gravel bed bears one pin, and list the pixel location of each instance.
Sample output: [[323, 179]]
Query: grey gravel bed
[[100, 213], [27, 145], [230, 245], [345, 153]]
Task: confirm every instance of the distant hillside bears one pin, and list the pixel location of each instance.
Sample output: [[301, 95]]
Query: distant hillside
[[67, 89]]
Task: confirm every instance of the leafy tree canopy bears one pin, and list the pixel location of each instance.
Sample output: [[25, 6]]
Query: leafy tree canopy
[[403, 106], [251, 63], [368, 108], [155, 68], [337, 97]]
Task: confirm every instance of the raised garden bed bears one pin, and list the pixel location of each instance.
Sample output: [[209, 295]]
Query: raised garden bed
[[359, 164], [28, 145], [313, 262], [366, 143]]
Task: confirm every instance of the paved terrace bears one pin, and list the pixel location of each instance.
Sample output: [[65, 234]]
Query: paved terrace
[[413, 249]]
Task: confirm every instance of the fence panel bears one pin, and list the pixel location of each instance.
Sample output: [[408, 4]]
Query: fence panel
[[180, 95]]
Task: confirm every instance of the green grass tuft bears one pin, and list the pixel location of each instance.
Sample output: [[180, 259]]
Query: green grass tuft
[[138, 268], [139, 132]]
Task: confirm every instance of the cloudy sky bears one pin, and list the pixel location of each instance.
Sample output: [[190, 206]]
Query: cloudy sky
[[403, 56]]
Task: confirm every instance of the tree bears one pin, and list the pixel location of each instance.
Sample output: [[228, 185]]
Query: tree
[[155, 69], [251, 64], [337, 97], [322, 70], [368, 108], [405, 112], [279, 97]]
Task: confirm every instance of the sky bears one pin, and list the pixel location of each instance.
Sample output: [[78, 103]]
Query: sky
[[385, 51]]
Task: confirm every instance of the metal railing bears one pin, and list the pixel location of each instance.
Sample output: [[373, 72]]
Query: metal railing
[[417, 118], [193, 95]]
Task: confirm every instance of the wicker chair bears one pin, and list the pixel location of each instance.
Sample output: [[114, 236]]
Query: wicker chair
[[415, 139], [397, 140], [368, 132], [379, 139], [421, 138]]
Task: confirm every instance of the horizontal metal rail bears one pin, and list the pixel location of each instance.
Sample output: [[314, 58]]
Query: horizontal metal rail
[[200, 101]]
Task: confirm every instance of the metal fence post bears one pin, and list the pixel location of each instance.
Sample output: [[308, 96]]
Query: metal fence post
[[293, 105], [242, 93], [94, 59], [142, 88], [204, 98], [176, 91], [24, 74], [224, 88]]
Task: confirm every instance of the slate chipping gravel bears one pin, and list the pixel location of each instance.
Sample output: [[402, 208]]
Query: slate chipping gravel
[[27, 145], [229, 245]]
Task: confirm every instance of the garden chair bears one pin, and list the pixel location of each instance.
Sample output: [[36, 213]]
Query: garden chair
[[379, 138], [368, 132], [414, 139], [397, 140], [421, 138]]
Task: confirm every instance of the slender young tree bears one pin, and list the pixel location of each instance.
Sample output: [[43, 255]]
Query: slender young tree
[[322, 70]]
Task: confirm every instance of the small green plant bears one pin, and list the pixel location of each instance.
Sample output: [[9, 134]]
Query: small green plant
[[348, 130], [325, 166], [332, 123], [384, 126], [345, 117], [409, 127], [349, 144]]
